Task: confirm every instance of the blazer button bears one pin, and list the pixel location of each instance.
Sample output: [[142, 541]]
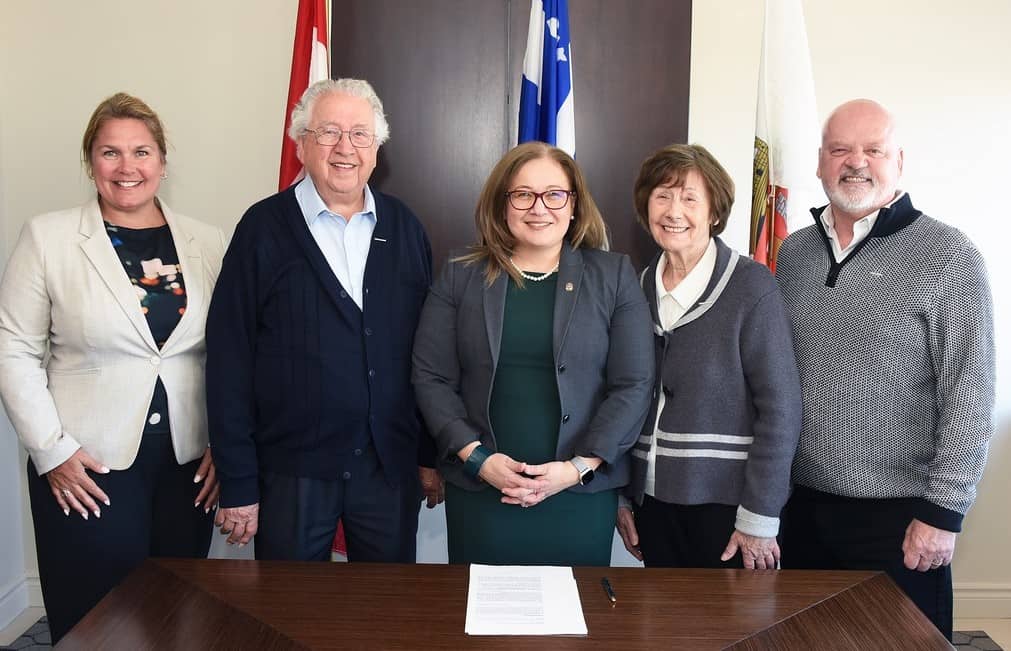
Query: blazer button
[[344, 294], [561, 368], [155, 360], [368, 332], [372, 372], [565, 418]]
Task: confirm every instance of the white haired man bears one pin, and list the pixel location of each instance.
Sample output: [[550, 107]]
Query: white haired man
[[309, 335]]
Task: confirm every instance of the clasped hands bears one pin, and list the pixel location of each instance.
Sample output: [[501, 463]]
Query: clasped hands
[[524, 484]]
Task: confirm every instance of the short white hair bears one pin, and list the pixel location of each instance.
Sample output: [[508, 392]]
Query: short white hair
[[354, 87]]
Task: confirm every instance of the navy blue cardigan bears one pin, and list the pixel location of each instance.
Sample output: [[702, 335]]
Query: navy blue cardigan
[[297, 375]]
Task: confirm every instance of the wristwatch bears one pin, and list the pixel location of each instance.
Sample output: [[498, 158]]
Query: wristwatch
[[585, 472]]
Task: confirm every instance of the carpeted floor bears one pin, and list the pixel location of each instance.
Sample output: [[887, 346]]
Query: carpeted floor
[[970, 640], [37, 637]]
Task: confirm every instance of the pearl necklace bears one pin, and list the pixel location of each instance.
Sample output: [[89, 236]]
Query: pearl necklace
[[532, 277]]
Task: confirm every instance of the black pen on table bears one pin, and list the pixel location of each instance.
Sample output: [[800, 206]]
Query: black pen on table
[[608, 590]]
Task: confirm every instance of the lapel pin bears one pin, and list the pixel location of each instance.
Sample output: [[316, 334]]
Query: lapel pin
[[569, 287]]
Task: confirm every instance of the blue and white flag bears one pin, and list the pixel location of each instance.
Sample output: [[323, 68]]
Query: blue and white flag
[[546, 109]]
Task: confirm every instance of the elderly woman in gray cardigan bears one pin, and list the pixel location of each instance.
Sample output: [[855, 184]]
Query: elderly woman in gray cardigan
[[711, 469]]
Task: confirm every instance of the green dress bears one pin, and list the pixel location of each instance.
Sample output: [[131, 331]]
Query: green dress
[[565, 529]]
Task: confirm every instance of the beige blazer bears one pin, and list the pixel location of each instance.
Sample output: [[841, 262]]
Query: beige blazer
[[78, 363]]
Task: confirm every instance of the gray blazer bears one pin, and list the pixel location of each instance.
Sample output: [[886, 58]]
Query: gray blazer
[[603, 351]]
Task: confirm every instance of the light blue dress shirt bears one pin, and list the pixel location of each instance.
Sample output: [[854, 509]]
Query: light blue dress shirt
[[344, 242]]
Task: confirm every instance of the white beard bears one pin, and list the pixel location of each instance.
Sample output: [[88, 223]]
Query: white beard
[[865, 201]]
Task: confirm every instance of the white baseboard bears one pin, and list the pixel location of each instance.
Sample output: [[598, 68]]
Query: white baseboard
[[34, 592], [982, 600], [14, 599]]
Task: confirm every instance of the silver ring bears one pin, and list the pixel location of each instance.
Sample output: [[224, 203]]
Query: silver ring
[[66, 492]]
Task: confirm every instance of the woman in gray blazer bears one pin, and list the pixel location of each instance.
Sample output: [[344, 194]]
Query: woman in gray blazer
[[102, 311], [533, 368], [711, 471]]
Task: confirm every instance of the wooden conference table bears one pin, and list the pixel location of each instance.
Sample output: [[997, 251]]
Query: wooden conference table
[[230, 604]]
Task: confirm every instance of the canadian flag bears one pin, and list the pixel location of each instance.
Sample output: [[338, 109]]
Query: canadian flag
[[310, 62]]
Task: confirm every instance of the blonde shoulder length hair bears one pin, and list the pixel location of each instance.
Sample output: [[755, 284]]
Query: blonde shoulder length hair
[[495, 242]]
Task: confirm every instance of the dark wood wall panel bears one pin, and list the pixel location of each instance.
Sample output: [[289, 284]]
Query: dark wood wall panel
[[448, 72], [440, 69], [632, 68]]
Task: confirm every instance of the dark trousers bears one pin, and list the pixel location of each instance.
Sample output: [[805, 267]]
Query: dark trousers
[[831, 532], [298, 515], [151, 514], [680, 535]]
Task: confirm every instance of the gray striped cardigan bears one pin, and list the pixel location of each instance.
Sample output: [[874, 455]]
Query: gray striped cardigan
[[732, 409]]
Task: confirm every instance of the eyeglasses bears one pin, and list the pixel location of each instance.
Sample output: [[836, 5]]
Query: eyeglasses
[[552, 199], [330, 136]]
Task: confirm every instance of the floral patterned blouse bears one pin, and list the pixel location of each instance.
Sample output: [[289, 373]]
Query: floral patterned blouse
[[152, 265]]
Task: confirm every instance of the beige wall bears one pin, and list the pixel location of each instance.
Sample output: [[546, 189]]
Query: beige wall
[[217, 73]]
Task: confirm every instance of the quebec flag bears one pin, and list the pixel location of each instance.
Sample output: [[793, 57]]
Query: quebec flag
[[546, 109]]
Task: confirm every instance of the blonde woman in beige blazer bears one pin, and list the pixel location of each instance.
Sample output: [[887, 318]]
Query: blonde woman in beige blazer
[[102, 311]]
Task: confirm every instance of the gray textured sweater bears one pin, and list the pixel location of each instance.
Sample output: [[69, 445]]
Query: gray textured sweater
[[896, 357]]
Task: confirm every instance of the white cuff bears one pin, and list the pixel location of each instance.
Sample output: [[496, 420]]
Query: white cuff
[[754, 524]]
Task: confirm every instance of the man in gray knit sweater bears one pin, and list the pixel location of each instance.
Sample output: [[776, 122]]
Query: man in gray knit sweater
[[892, 324]]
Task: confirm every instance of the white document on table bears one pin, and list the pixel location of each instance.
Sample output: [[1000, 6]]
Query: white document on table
[[523, 600]]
